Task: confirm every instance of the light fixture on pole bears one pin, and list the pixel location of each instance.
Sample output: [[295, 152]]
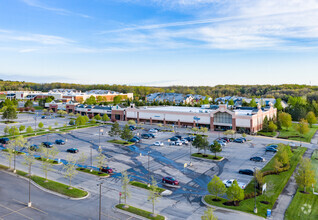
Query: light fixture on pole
[[255, 208]]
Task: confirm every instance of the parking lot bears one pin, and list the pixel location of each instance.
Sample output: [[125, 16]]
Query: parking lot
[[161, 161]]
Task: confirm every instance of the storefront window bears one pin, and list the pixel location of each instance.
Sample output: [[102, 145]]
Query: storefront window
[[223, 117]]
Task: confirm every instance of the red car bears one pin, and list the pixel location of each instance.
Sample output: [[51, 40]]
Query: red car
[[106, 170], [170, 180]]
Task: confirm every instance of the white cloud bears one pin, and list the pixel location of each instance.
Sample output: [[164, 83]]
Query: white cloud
[[38, 4], [245, 24]]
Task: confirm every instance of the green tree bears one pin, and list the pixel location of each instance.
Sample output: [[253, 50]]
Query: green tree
[[126, 133], [302, 128], [285, 120], [29, 160], [253, 103], [98, 117], [101, 159], [125, 186], [46, 154], [231, 102], [105, 118], [311, 118], [265, 124], [271, 126], [80, 120], [21, 128], [40, 125], [154, 194], [114, 130], [91, 100], [16, 144], [258, 175], [283, 157], [70, 170], [277, 165], [6, 130], [209, 215], [216, 187], [200, 143], [14, 131], [28, 104], [86, 118], [29, 129], [9, 153], [235, 193], [10, 113], [117, 99], [44, 111], [215, 148], [56, 123], [131, 122], [305, 175], [278, 104]]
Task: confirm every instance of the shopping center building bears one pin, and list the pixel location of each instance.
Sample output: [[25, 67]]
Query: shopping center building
[[214, 117]]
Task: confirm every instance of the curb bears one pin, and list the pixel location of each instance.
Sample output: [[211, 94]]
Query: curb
[[46, 190], [131, 214], [199, 158], [225, 209]]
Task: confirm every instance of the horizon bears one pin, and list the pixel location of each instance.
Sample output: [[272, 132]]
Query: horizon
[[159, 42]]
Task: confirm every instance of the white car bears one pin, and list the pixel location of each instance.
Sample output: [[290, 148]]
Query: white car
[[158, 143], [229, 183], [184, 141], [177, 143], [153, 131]]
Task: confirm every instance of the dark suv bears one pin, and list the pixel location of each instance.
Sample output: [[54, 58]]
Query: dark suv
[[4, 140], [47, 144], [145, 136]]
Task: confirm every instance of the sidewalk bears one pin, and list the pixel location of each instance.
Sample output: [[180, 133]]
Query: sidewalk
[[287, 195]]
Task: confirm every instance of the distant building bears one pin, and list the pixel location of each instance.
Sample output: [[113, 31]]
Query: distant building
[[176, 98]]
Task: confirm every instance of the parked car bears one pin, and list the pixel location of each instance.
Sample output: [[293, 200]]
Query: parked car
[[145, 136], [184, 141], [271, 149], [221, 143], [153, 130], [238, 140], [225, 139], [106, 170], [229, 183], [34, 147], [72, 150], [243, 138], [177, 143], [273, 146], [47, 144], [4, 140], [60, 142], [178, 136], [170, 180], [131, 127], [138, 138], [43, 117], [246, 172], [134, 140], [190, 138], [257, 159], [174, 139], [152, 135], [158, 143]]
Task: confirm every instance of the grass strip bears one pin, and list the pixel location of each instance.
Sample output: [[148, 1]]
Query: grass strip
[[278, 183], [94, 172], [209, 156], [292, 134], [52, 185], [120, 142], [16, 152], [144, 186], [44, 159], [140, 212], [267, 134]]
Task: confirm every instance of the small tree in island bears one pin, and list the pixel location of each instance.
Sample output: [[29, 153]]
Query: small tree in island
[[215, 148]]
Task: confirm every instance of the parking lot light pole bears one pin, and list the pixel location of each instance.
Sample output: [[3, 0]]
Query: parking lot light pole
[[100, 200], [100, 130], [29, 203]]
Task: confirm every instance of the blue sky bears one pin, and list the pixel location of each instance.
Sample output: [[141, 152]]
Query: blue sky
[[160, 42]]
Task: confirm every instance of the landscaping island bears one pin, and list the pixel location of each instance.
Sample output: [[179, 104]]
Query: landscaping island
[[140, 212]]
